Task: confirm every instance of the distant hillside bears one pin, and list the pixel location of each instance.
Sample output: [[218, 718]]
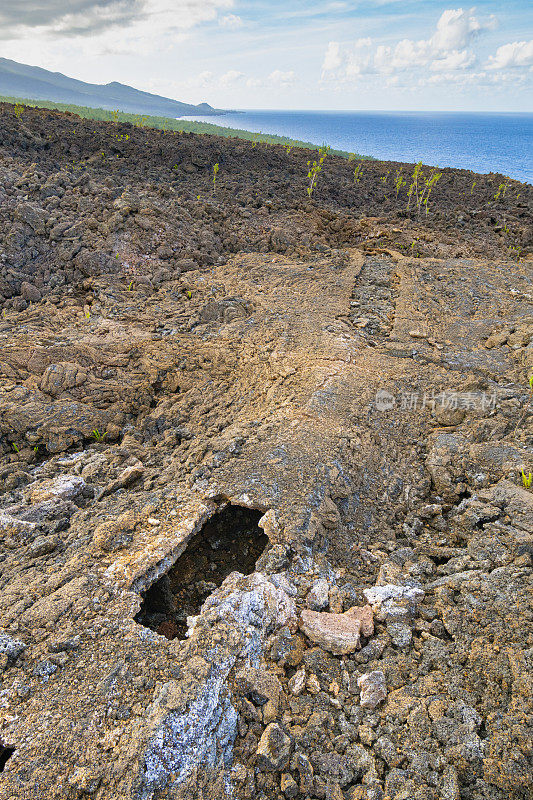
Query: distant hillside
[[172, 124], [22, 80]]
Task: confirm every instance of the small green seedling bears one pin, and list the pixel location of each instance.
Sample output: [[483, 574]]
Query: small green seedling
[[15, 447], [358, 171], [414, 187], [130, 286], [215, 173], [98, 437], [472, 187], [87, 314], [315, 168], [527, 480], [517, 252], [189, 294], [19, 110], [429, 183], [399, 181], [502, 189]]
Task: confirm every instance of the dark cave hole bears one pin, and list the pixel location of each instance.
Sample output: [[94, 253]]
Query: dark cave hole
[[231, 541], [5, 754]]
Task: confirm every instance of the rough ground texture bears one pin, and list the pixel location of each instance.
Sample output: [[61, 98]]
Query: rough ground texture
[[166, 360]]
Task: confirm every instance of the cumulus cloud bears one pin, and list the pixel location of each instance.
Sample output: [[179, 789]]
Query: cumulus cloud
[[445, 50], [333, 57], [231, 21], [514, 54], [456, 60], [280, 78], [90, 17], [456, 28], [231, 78]]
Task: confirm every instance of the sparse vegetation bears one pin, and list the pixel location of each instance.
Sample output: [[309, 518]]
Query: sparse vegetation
[[413, 187], [399, 181], [315, 168], [502, 189], [429, 183], [215, 173], [420, 188], [358, 171]]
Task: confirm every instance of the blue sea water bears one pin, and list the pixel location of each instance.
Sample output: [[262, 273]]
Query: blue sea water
[[481, 142]]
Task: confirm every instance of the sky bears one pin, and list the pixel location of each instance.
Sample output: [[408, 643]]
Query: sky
[[287, 54]]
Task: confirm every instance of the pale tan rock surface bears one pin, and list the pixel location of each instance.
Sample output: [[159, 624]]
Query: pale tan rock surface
[[338, 633]]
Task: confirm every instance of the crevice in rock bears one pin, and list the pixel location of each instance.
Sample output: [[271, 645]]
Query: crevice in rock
[[231, 541], [5, 754]]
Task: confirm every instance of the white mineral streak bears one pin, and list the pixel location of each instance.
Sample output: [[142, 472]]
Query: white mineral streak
[[202, 733]]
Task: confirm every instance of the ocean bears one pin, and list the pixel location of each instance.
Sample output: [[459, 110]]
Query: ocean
[[481, 142]]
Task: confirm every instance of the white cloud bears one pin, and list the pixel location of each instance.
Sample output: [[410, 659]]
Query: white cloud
[[514, 54], [445, 50], [231, 21], [121, 23], [456, 28], [231, 78], [333, 58], [279, 78], [457, 59]]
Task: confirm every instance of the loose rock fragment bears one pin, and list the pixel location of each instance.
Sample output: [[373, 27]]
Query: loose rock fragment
[[126, 478], [274, 748], [338, 633], [10, 647], [297, 682], [373, 688], [318, 597], [289, 787], [394, 603]]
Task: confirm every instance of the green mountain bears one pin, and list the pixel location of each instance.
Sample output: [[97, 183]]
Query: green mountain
[[22, 80]]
